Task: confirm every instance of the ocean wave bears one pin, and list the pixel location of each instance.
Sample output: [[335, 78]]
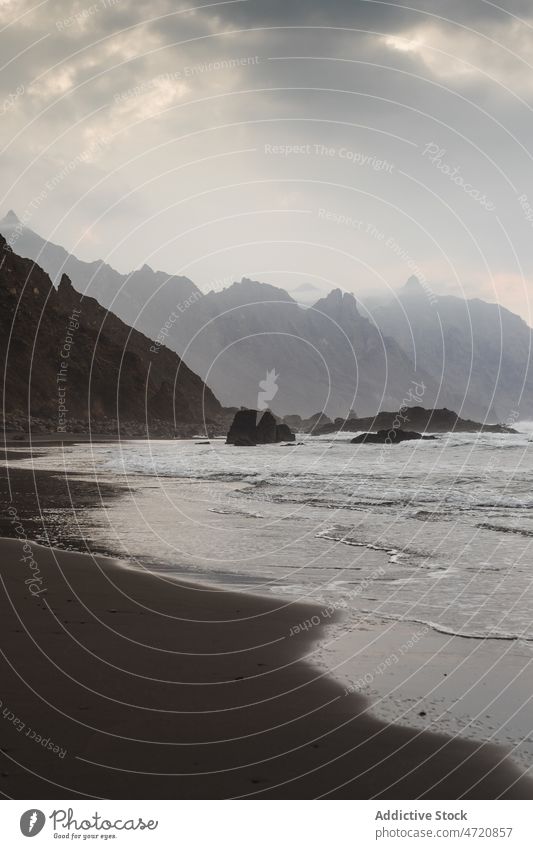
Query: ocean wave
[[504, 529], [469, 584], [229, 511], [339, 533], [454, 632]]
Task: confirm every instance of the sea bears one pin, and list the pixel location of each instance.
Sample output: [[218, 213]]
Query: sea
[[433, 532], [418, 555]]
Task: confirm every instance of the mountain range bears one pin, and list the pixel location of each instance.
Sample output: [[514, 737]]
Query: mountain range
[[337, 355], [68, 363], [480, 349]]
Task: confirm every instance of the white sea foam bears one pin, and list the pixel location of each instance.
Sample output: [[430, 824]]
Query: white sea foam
[[438, 532]]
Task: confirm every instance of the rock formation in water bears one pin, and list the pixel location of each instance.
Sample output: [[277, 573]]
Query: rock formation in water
[[252, 428], [420, 419], [388, 437]]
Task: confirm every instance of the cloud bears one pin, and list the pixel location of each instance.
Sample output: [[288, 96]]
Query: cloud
[[501, 55], [189, 98]]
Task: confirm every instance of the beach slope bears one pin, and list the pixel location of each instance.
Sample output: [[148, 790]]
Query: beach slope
[[118, 683]]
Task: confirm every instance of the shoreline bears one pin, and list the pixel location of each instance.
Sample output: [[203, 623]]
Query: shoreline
[[177, 690], [45, 502], [416, 676]]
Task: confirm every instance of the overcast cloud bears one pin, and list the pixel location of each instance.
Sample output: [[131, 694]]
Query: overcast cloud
[[340, 144]]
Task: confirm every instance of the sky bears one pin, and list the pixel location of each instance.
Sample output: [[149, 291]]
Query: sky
[[344, 144]]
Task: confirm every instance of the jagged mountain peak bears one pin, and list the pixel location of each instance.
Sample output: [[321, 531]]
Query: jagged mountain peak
[[254, 290], [10, 220], [338, 295], [65, 284], [412, 286], [338, 303]]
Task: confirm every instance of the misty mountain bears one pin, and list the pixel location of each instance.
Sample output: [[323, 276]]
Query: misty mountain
[[327, 357], [479, 350], [127, 295], [65, 359], [470, 356]]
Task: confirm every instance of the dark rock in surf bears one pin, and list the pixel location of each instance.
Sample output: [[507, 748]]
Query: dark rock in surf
[[243, 427], [284, 433], [266, 429], [388, 437], [247, 430], [418, 418]]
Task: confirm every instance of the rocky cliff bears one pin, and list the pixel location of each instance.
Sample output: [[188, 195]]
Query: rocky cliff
[[67, 362], [416, 418]]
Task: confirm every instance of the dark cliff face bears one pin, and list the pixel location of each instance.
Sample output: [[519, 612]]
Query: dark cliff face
[[65, 357]]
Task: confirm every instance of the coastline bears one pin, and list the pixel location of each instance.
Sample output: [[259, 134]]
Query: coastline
[[419, 677], [157, 687]]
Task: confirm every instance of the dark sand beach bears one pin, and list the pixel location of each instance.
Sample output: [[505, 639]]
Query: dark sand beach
[[123, 684]]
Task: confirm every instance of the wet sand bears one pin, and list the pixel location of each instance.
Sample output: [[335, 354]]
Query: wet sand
[[47, 502], [414, 675], [117, 683]]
